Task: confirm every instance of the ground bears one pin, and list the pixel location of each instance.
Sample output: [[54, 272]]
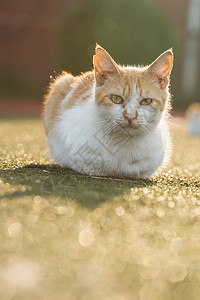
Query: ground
[[69, 236]]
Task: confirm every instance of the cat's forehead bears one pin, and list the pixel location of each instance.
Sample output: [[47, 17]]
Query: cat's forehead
[[135, 84], [132, 82]]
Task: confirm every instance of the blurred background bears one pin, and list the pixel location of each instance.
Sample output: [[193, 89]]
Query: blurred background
[[39, 38]]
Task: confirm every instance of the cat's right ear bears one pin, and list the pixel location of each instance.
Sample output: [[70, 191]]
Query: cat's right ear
[[104, 66]]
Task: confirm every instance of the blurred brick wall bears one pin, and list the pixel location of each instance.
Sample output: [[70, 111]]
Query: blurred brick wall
[[28, 34]]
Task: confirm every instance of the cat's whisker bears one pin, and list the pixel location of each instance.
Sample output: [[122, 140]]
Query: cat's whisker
[[174, 124], [155, 141], [174, 140]]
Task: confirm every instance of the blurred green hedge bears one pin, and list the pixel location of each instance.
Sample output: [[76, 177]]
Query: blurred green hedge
[[132, 31], [18, 87]]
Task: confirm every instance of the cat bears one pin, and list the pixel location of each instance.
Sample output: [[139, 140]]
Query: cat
[[111, 121]]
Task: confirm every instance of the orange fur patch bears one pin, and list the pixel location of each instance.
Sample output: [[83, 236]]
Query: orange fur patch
[[59, 89], [82, 91]]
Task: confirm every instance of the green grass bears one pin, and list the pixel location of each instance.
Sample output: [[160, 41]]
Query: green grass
[[69, 236]]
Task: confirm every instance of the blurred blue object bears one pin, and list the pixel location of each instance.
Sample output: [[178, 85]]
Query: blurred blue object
[[193, 116]]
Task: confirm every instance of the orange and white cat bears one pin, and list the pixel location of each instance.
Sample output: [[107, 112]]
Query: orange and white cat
[[111, 121]]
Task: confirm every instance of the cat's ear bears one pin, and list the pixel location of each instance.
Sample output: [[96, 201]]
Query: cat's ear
[[104, 65], [161, 68]]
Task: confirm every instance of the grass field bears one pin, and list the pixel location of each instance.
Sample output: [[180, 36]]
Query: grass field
[[69, 236]]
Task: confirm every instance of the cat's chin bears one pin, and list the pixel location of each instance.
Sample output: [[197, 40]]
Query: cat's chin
[[131, 126]]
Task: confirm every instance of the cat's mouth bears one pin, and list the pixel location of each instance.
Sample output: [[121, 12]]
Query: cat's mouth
[[131, 126]]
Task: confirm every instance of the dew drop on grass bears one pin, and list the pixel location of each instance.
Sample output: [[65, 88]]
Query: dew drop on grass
[[14, 229], [120, 211], [86, 238], [160, 212], [176, 244], [171, 204]]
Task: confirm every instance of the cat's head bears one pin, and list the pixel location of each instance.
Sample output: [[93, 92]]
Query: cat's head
[[133, 98]]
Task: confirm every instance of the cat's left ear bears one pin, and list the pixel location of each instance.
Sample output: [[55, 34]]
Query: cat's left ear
[[161, 68], [104, 66]]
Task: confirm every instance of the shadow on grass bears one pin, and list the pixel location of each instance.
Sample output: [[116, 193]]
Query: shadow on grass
[[55, 184]]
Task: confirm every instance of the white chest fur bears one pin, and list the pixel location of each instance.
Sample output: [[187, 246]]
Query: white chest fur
[[87, 144]]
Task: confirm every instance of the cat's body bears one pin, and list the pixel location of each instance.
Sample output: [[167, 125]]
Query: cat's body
[[96, 123]]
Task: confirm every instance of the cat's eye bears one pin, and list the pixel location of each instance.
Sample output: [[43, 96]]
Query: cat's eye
[[146, 101], [116, 99]]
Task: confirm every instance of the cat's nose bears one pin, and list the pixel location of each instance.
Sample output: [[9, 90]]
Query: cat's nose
[[130, 116]]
